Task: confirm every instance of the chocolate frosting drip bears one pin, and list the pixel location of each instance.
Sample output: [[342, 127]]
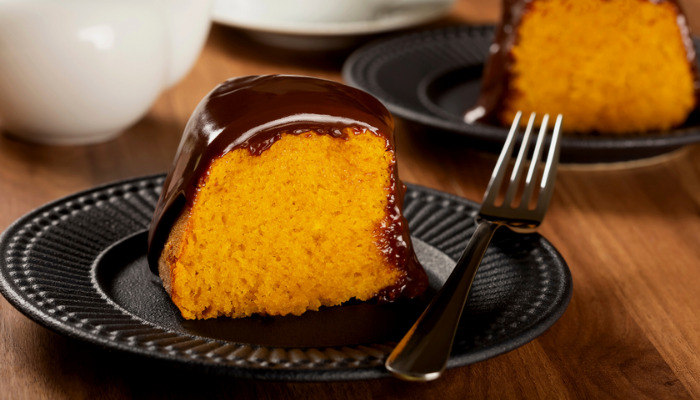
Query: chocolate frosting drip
[[498, 68], [252, 112]]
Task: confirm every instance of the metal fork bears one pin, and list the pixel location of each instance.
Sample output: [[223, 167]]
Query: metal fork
[[423, 352]]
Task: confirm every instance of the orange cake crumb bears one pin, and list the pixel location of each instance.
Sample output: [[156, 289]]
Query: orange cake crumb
[[285, 231], [614, 66]]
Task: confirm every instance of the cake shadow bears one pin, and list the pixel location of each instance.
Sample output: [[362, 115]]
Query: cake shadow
[[345, 325]]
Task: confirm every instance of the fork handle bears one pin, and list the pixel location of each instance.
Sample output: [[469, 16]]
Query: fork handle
[[423, 352]]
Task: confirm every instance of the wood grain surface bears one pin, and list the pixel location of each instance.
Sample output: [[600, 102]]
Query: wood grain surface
[[630, 234]]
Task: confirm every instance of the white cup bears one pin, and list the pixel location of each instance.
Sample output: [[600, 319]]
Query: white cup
[[318, 11], [82, 71]]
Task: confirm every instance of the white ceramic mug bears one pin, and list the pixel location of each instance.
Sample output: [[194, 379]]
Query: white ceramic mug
[[82, 71]]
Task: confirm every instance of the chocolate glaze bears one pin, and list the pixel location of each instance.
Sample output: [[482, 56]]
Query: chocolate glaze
[[252, 113], [498, 69]]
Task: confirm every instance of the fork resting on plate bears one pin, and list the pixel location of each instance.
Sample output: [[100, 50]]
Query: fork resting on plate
[[423, 352]]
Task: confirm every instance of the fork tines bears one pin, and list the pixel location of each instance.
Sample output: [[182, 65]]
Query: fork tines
[[535, 159]]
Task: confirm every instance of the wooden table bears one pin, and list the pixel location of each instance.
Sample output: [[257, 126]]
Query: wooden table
[[630, 235]]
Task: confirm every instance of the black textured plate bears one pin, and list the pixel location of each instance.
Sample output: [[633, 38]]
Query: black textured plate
[[431, 78], [78, 266]]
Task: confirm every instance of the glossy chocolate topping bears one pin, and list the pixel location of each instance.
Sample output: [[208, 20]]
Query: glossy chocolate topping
[[252, 113], [498, 68]]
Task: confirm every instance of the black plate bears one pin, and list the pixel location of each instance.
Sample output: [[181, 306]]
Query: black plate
[[431, 78], [78, 266]]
